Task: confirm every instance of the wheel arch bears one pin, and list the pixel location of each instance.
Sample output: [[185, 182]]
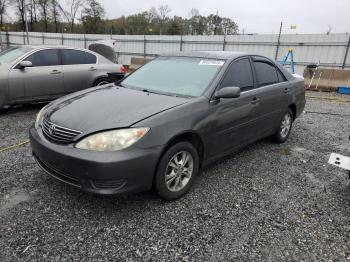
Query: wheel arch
[[187, 136], [98, 78], [293, 107]]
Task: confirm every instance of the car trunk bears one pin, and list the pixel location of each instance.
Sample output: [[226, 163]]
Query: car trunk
[[104, 48]]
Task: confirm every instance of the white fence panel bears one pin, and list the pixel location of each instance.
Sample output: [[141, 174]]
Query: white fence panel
[[327, 50]]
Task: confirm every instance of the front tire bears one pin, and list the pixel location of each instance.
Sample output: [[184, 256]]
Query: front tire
[[285, 127], [177, 171]]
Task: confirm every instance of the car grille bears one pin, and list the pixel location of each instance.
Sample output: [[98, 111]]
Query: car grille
[[58, 133]]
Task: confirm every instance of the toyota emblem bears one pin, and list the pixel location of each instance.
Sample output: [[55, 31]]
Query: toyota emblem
[[52, 129]]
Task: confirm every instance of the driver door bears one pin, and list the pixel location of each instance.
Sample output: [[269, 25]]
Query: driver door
[[233, 120]]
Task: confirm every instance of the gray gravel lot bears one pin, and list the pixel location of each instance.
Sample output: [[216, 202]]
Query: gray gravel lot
[[267, 202]]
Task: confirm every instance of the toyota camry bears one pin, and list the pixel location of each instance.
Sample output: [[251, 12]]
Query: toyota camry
[[161, 124]]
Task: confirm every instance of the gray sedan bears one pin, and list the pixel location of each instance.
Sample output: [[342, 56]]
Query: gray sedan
[[159, 125], [34, 74]]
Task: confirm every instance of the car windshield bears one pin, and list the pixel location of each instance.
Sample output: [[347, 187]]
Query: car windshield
[[11, 54], [182, 76]]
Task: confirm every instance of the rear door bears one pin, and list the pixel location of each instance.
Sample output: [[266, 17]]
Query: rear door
[[273, 90], [43, 80], [233, 120], [78, 69]]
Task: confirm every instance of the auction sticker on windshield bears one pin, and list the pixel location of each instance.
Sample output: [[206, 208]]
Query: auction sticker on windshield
[[212, 62]]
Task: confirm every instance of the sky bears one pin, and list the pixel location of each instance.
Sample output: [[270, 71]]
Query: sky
[[253, 16]]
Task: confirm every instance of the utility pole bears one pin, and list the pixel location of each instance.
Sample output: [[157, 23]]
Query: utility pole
[[278, 41], [26, 20]]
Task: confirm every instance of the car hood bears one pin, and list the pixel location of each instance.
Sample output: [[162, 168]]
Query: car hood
[[108, 108]]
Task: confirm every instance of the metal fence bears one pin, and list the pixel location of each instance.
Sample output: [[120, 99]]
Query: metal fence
[[326, 50]]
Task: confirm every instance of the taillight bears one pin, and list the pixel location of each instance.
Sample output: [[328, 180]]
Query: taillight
[[122, 69]]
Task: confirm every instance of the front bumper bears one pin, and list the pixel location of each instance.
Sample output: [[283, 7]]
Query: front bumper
[[126, 171]]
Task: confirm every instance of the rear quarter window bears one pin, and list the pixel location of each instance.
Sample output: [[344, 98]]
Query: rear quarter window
[[266, 73]]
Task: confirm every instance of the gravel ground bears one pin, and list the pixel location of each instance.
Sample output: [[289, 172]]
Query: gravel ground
[[267, 202]]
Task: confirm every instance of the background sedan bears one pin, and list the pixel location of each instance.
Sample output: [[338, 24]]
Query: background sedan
[[33, 74]]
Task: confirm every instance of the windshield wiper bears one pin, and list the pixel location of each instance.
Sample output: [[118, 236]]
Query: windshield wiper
[[150, 91], [119, 84]]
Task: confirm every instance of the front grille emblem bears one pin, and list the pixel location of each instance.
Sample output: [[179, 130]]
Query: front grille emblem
[[59, 133], [52, 129]]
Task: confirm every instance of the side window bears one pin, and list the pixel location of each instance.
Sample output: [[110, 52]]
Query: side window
[[266, 73], [239, 74], [77, 57], [47, 57], [281, 77]]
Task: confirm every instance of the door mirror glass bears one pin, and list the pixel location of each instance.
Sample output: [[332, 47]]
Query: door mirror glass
[[25, 64], [228, 92]]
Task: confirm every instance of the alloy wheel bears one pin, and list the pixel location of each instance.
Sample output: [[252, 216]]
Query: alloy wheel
[[179, 171], [286, 125]]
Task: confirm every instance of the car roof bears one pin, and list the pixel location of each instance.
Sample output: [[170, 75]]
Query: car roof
[[222, 55], [101, 58]]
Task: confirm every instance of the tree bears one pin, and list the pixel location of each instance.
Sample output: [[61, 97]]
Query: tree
[[229, 27], [214, 25], [71, 11], [138, 24], [44, 8], [163, 11], [92, 16], [193, 12], [19, 6], [3, 6], [194, 21], [32, 8], [55, 13], [175, 26]]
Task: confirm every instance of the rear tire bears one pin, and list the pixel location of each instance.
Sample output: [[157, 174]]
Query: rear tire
[[177, 171], [284, 128], [102, 81]]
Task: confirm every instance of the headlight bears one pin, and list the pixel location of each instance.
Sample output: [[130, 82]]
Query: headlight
[[112, 140], [38, 117]]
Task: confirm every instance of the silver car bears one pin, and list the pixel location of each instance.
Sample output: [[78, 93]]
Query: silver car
[[33, 74]]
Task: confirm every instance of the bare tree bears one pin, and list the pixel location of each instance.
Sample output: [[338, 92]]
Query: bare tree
[[153, 14], [194, 21], [3, 6], [193, 12], [44, 8], [55, 13], [71, 11], [20, 8], [32, 7], [163, 11]]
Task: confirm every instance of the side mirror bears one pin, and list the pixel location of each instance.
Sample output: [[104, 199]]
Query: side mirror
[[228, 92], [25, 64]]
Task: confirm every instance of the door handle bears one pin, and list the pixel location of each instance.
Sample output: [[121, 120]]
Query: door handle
[[92, 68], [286, 90], [255, 101], [54, 72]]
